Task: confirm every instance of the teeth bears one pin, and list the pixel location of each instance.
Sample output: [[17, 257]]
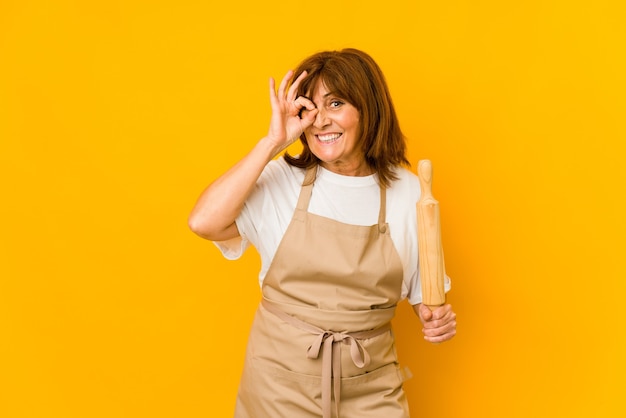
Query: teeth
[[329, 137]]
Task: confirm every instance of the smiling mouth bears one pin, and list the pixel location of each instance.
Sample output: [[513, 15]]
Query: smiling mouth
[[328, 138]]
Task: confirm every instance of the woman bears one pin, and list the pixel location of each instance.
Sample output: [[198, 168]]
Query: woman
[[336, 230]]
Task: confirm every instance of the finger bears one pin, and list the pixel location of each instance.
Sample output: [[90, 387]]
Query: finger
[[302, 103], [273, 98], [293, 89], [425, 313], [308, 117], [284, 83], [438, 323], [440, 338], [445, 332], [441, 311], [441, 329]]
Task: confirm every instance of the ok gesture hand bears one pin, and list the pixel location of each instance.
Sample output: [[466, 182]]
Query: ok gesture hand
[[286, 125]]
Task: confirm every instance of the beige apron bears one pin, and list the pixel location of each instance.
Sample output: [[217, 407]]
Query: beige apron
[[321, 344]]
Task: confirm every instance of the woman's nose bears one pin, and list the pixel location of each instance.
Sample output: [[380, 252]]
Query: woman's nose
[[320, 119]]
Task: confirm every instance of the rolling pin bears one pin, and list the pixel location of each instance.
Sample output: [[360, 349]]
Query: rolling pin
[[430, 251]]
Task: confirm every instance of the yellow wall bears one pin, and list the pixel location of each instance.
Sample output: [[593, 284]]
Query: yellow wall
[[114, 115]]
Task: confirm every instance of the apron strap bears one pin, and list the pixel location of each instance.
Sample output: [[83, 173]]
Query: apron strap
[[328, 342], [382, 214], [307, 188]]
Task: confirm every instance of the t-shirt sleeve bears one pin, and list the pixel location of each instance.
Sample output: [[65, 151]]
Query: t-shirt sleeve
[[234, 248]]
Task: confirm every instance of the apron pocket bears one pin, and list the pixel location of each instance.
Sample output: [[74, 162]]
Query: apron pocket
[[375, 394], [268, 391]]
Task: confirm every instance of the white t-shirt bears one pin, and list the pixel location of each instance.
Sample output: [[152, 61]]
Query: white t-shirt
[[352, 200]]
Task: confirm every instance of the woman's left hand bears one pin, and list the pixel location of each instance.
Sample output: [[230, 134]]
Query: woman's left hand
[[439, 324]]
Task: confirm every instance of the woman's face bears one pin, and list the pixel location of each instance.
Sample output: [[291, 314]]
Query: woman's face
[[333, 137]]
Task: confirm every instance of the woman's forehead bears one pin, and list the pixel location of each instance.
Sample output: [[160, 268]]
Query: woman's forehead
[[319, 89], [322, 89]]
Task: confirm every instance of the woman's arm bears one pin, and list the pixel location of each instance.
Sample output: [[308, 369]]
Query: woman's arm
[[213, 216]]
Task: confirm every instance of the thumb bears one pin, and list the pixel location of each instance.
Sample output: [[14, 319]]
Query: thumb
[[308, 117], [425, 313]]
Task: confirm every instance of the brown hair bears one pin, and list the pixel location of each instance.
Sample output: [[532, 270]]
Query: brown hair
[[354, 76]]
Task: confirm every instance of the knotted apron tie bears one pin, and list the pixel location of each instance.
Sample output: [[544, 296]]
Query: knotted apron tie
[[328, 343]]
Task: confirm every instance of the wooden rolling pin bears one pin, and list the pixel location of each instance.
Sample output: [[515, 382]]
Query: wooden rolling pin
[[430, 253]]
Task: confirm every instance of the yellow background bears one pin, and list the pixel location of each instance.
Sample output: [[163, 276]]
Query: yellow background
[[114, 115]]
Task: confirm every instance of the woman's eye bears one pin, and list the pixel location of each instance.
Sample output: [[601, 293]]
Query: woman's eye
[[336, 103]]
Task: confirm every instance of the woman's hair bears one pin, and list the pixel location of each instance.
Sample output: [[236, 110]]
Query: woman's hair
[[355, 77]]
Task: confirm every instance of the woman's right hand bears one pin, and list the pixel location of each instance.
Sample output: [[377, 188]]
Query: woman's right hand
[[286, 125]]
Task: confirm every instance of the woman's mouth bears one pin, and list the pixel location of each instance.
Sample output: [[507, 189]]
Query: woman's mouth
[[328, 138]]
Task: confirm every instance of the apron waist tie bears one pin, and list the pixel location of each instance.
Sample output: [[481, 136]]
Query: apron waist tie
[[327, 342]]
